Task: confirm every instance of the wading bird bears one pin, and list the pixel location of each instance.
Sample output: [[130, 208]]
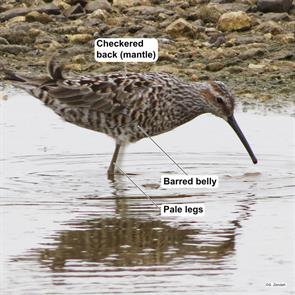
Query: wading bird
[[130, 106]]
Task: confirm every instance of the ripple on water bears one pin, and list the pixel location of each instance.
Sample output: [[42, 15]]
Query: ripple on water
[[110, 234]]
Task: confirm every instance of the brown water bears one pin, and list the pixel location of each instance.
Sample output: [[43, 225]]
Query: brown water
[[66, 229]]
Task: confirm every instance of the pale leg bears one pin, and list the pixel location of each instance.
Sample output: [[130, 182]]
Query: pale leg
[[111, 170]]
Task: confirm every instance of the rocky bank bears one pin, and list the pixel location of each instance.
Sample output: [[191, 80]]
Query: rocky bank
[[248, 44]]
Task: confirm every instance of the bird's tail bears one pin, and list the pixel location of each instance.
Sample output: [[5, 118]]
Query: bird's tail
[[36, 85], [27, 82], [55, 69]]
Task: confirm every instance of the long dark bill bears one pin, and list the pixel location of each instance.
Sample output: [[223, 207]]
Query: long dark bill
[[233, 123]]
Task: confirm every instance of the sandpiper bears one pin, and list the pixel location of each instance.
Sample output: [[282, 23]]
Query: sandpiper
[[128, 106]]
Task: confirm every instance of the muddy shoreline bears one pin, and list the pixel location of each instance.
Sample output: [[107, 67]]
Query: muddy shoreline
[[252, 51]]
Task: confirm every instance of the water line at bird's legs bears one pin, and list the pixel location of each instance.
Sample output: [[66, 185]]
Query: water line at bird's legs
[[116, 165]]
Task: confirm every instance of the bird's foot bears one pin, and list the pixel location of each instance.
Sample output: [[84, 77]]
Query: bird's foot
[[112, 174]]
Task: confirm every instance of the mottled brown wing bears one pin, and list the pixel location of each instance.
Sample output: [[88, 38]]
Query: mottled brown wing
[[100, 96]]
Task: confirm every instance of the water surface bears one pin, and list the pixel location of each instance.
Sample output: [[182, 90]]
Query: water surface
[[66, 229]]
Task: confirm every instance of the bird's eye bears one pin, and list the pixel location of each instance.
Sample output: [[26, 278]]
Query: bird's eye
[[219, 99]]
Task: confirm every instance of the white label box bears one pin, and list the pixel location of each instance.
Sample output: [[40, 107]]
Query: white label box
[[126, 50], [189, 181], [184, 210]]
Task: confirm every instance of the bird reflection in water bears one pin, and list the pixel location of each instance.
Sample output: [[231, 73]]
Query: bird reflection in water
[[126, 241], [120, 242], [132, 242]]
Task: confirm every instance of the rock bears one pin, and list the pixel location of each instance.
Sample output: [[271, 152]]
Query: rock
[[3, 41], [5, 7], [265, 97], [18, 33], [215, 66], [79, 38], [242, 40], [129, 3], [36, 16], [74, 2], [17, 19], [149, 11], [14, 49], [210, 13], [147, 32], [53, 45], [268, 36], [46, 44], [198, 66], [165, 55], [79, 59], [34, 32], [75, 9], [204, 77], [256, 66], [274, 5], [235, 69], [169, 20], [49, 9], [43, 38], [285, 55], [252, 52], [233, 61], [212, 31], [116, 31], [99, 14], [194, 78], [234, 21], [285, 38], [74, 67], [61, 4], [232, 5], [86, 30], [165, 68], [270, 27], [217, 41], [134, 28], [180, 28], [98, 4], [4, 16], [163, 16], [277, 17], [291, 25]]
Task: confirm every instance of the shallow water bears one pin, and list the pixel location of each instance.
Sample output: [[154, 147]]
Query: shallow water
[[66, 229]]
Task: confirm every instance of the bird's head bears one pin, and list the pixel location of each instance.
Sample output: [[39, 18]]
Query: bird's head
[[219, 99], [220, 102]]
